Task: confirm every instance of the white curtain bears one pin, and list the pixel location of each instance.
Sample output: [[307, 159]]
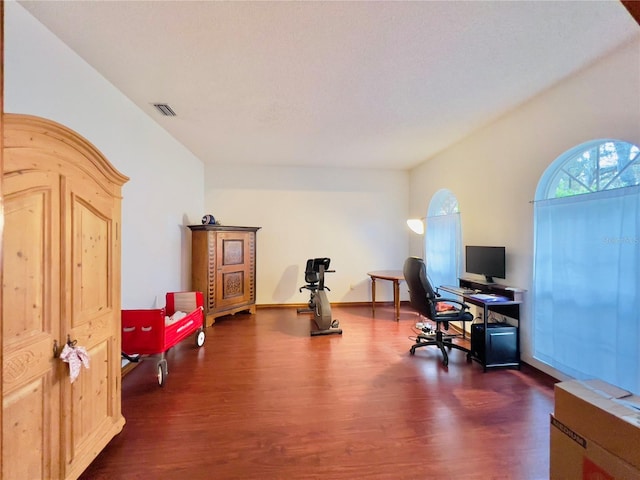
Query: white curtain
[[443, 239], [587, 285]]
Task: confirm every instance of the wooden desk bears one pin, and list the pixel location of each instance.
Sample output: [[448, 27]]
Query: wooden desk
[[489, 349], [395, 276]]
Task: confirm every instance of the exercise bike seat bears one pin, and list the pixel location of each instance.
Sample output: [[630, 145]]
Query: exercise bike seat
[[311, 273]]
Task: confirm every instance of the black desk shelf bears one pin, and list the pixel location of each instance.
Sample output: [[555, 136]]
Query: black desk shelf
[[496, 345]]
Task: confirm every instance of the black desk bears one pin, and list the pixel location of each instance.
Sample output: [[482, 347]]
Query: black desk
[[498, 308]]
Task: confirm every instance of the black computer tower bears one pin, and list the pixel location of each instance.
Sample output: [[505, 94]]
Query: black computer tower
[[502, 344]]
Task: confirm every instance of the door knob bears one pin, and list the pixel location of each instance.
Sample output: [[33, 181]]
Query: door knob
[[56, 347]]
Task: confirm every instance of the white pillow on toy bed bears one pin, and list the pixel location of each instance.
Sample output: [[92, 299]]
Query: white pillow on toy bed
[[176, 317]]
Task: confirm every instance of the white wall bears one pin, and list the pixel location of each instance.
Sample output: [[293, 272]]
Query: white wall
[[355, 217], [44, 77], [494, 172]]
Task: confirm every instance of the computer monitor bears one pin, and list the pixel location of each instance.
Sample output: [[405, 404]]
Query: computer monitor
[[487, 261]]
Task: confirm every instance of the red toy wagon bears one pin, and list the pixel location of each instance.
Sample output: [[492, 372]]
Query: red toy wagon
[[153, 331]]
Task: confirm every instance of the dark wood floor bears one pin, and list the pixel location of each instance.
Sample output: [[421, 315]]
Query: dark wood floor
[[264, 400]]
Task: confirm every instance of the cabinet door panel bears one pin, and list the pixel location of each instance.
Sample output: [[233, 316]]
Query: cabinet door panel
[[91, 253], [90, 411], [31, 316], [234, 270], [27, 445], [92, 322]]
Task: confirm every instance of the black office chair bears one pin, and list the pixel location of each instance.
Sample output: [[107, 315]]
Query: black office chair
[[311, 277], [424, 300]]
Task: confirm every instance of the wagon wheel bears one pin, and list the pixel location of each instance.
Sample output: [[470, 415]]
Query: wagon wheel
[[200, 337], [162, 372]]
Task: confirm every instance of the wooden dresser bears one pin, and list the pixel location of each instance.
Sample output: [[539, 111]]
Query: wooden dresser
[[223, 268]]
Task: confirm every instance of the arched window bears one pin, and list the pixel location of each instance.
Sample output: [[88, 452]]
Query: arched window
[[592, 167], [443, 239], [586, 300]]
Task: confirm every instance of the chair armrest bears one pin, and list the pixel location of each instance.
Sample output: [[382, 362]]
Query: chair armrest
[[463, 306]]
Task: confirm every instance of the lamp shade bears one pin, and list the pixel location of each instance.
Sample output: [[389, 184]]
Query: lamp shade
[[416, 225]]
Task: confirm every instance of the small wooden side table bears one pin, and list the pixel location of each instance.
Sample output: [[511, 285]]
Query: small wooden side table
[[395, 276]]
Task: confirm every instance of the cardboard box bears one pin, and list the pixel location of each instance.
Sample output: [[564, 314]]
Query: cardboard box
[[576, 457], [603, 413]]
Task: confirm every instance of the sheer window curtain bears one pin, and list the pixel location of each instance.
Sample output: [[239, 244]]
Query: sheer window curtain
[[443, 240], [587, 285]]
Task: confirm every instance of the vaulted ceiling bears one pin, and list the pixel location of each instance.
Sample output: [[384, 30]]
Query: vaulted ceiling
[[353, 84]]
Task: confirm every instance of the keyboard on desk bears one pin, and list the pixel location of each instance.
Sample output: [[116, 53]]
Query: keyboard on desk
[[485, 297], [457, 290]]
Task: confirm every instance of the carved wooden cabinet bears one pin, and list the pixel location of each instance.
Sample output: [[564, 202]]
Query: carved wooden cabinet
[[223, 268], [61, 282]]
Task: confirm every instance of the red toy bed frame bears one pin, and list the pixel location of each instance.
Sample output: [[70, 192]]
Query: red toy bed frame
[[145, 332]]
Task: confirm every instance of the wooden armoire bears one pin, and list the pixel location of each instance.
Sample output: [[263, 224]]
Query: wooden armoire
[[61, 283], [223, 268]]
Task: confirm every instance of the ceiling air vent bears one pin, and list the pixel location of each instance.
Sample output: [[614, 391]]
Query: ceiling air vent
[[165, 109]]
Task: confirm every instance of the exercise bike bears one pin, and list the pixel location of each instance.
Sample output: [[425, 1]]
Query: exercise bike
[[318, 302], [311, 272]]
